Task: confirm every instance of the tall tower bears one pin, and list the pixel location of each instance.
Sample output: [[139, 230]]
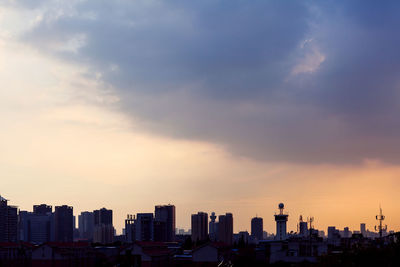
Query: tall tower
[[281, 220], [381, 228], [213, 227]]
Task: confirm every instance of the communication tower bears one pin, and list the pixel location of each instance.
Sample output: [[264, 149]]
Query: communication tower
[[381, 228], [281, 219]]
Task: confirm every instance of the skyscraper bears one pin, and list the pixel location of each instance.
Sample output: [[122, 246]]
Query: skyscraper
[[42, 209], [130, 228], [225, 228], [8, 222], [103, 216], [144, 227], [213, 227], [86, 225], [257, 228], [64, 223], [36, 227], [103, 226], [281, 220], [199, 226], [164, 223]]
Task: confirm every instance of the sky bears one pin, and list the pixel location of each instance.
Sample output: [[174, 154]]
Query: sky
[[225, 106]]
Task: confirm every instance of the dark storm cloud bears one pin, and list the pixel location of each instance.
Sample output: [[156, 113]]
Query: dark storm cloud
[[272, 80]]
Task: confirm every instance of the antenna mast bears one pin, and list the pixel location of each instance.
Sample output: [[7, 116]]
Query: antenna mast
[[380, 218]]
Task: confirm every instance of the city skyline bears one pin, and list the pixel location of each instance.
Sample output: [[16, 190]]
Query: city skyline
[[291, 221], [219, 106]]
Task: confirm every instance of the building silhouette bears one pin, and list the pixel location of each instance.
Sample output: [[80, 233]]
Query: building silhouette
[[213, 227], [64, 223], [257, 228], [130, 228], [8, 222], [144, 227], [225, 228], [42, 209], [86, 225], [103, 226], [38, 226], [363, 229], [164, 223], [281, 220], [199, 226], [103, 216], [303, 227]]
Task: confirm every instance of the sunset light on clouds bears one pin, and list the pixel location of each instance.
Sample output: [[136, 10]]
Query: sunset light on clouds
[[225, 106]]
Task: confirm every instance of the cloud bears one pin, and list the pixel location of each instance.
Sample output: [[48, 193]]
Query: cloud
[[271, 80]]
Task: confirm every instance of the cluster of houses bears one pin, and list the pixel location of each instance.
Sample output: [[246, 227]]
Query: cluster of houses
[[149, 253]]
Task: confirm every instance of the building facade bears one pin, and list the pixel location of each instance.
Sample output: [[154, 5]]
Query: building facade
[[281, 220], [225, 229], [86, 225], [199, 226], [257, 228], [8, 222], [165, 223], [64, 223]]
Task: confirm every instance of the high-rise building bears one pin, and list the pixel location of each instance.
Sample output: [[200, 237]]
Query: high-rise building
[[103, 216], [8, 222], [130, 228], [144, 227], [303, 227], [86, 225], [281, 220], [332, 232], [42, 209], [346, 232], [36, 227], [64, 223], [257, 228], [199, 226], [103, 233], [225, 228], [213, 227], [363, 229], [103, 226], [164, 223]]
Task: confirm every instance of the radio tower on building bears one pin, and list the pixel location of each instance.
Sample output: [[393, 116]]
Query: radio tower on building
[[281, 220], [381, 228]]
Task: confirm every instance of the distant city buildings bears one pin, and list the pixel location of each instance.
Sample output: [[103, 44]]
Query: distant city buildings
[[257, 228], [129, 230], [213, 227], [38, 226], [86, 225], [44, 225], [8, 221], [42, 209], [164, 223], [103, 226], [63, 223], [144, 227], [363, 229], [281, 220], [303, 227], [225, 228], [199, 226]]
